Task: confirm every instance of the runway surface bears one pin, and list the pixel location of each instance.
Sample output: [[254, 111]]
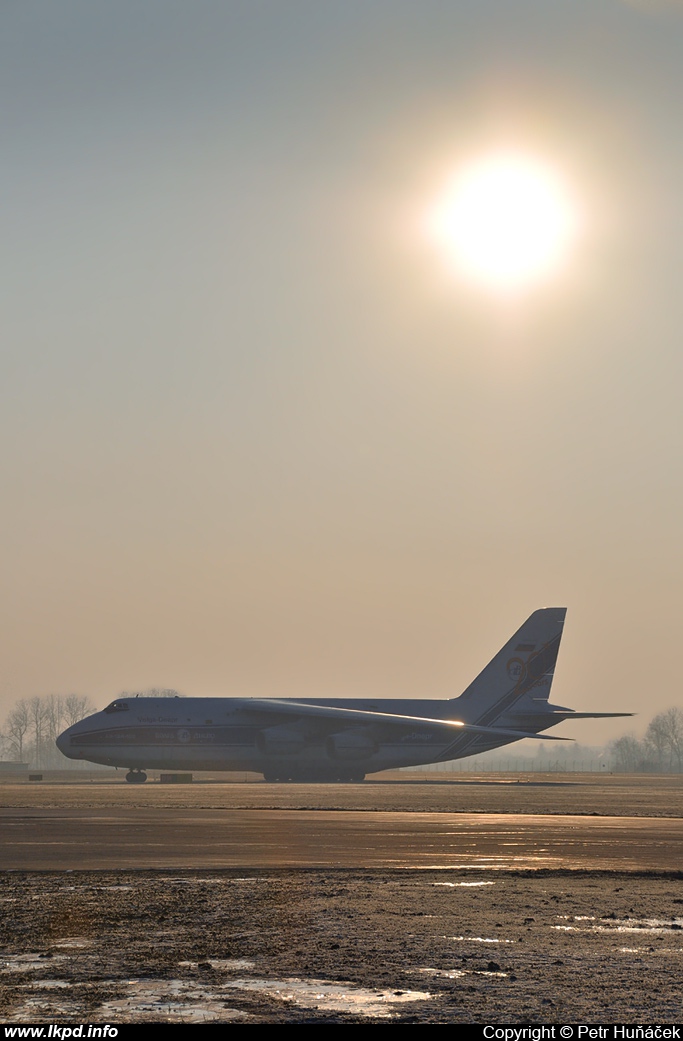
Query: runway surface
[[128, 838]]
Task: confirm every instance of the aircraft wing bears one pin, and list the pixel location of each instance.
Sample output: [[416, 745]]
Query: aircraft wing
[[333, 714]]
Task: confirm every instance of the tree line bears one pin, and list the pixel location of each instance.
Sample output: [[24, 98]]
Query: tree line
[[659, 751], [33, 724]]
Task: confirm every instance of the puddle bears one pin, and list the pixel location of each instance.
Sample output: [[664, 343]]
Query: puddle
[[110, 889], [650, 925], [169, 1001], [213, 881], [221, 964], [332, 997], [28, 962], [50, 984], [183, 1001], [198, 881], [624, 925], [456, 974], [232, 881], [487, 939], [447, 974], [72, 942], [35, 1008], [624, 928], [456, 885]]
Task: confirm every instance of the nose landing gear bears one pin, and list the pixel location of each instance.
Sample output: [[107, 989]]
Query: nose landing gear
[[136, 776]]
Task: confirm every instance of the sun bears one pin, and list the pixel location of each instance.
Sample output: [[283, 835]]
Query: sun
[[506, 221]]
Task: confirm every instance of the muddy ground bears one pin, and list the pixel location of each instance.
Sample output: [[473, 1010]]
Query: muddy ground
[[342, 946]]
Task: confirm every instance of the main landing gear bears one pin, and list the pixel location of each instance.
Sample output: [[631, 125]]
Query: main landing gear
[[136, 776]]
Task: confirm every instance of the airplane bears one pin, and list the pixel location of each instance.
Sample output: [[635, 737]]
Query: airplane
[[335, 739]]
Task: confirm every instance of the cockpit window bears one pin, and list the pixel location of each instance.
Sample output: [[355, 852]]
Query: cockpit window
[[117, 706]]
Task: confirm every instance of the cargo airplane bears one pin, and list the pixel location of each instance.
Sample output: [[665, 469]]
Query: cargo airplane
[[333, 739]]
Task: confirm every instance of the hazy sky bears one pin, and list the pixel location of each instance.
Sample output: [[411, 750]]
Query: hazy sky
[[257, 439]]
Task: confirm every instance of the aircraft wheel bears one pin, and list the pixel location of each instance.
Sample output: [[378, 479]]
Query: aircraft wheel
[[136, 777]]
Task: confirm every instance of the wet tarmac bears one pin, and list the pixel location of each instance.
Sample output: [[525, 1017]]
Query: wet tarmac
[[159, 837]]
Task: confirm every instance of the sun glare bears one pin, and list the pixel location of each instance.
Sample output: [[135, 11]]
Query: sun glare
[[505, 221]]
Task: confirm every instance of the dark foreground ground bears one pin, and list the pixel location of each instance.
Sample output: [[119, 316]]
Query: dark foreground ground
[[344, 946]]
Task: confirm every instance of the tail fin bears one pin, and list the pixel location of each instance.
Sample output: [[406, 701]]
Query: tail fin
[[526, 661]]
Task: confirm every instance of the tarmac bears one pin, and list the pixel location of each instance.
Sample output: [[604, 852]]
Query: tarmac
[[136, 838]]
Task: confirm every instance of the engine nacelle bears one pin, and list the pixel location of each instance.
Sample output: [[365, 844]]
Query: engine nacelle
[[280, 741], [350, 745]]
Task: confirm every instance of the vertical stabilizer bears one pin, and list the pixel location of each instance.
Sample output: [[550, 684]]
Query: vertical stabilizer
[[525, 665]]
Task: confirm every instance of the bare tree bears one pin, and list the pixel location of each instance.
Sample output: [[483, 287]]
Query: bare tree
[[32, 726], [38, 714], [54, 715], [16, 728], [657, 739], [75, 707], [665, 734], [630, 754]]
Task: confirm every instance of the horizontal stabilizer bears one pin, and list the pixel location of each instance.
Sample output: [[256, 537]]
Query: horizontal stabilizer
[[570, 714]]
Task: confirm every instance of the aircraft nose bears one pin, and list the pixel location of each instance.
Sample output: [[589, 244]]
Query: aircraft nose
[[63, 742]]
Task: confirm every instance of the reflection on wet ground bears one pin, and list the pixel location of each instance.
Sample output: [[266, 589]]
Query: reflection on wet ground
[[213, 839], [27, 962], [332, 997], [457, 885], [177, 1000], [626, 925], [172, 1001], [480, 939], [221, 964]]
